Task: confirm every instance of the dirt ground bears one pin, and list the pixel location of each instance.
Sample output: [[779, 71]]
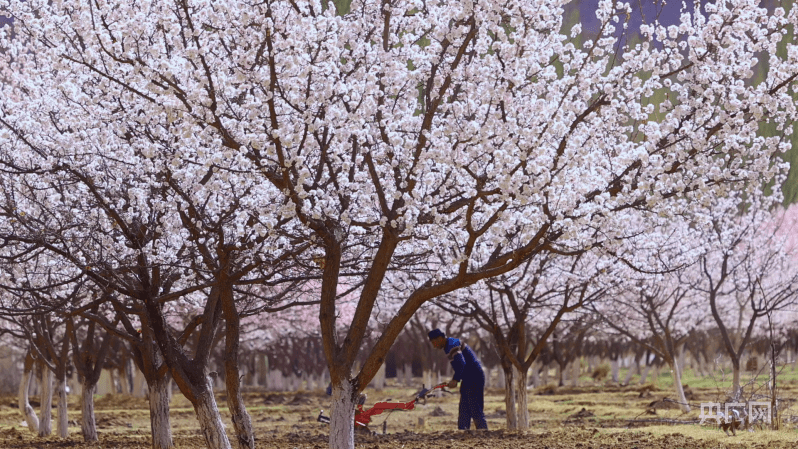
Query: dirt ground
[[595, 417]]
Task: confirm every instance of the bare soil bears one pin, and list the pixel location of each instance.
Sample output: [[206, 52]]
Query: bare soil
[[587, 418]]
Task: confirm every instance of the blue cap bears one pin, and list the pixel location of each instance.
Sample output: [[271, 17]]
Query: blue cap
[[435, 333]]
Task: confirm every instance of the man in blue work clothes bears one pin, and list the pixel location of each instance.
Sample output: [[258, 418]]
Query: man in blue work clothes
[[467, 370]]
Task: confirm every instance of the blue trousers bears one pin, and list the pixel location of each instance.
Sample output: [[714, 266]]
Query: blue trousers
[[472, 403]]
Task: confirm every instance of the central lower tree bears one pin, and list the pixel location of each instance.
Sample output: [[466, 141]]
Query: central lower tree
[[427, 145]]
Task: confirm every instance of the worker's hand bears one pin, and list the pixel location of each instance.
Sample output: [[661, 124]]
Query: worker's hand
[[452, 384]]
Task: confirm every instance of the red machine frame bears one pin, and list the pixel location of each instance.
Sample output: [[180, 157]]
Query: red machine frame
[[363, 416]]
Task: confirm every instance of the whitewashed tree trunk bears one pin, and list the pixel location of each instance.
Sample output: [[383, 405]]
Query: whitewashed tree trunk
[[342, 417], [735, 379], [45, 411], [509, 398], [501, 379], [24, 405], [105, 384], [575, 371], [559, 375], [427, 378], [160, 426], [88, 426], [262, 369], [633, 367], [139, 384], [112, 381], [615, 365], [210, 420], [379, 378], [522, 400], [535, 375], [62, 420], [644, 375], [294, 381], [703, 366], [408, 371], [677, 382], [124, 381], [311, 382], [680, 358], [544, 378]]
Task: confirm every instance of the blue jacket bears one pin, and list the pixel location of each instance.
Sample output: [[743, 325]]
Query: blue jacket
[[464, 361]]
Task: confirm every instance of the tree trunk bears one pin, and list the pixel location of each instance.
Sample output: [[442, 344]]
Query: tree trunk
[[160, 426], [509, 397], [139, 383], [342, 416], [699, 361], [210, 419], [644, 375], [535, 375], [635, 366], [124, 381], [575, 371], [242, 422], [62, 420], [615, 365], [45, 411], [379, 378], [521, 398], [24, 405], [677, 383], [681, 358], [87, 424], [736, 379]]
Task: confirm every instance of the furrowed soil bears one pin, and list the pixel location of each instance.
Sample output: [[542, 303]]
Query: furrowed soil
[[593, 417]]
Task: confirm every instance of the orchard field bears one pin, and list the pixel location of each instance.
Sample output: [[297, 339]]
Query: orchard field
[[219, 191], [596, 415]]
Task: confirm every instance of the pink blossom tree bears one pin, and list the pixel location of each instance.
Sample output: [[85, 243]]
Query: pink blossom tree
[[747, 272]]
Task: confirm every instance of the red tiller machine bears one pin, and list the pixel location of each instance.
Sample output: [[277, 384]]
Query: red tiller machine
[[363, 416]]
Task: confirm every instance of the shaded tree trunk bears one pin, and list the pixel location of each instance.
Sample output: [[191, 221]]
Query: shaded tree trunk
[[160, 426], [45, 410], [190, 374], [736, 392], [88, 360], [62, 420], [644, 374], [522, 415], [24, 405], [88, 426], [510, 397], [242, 422], [632, 368], [575, 372]]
